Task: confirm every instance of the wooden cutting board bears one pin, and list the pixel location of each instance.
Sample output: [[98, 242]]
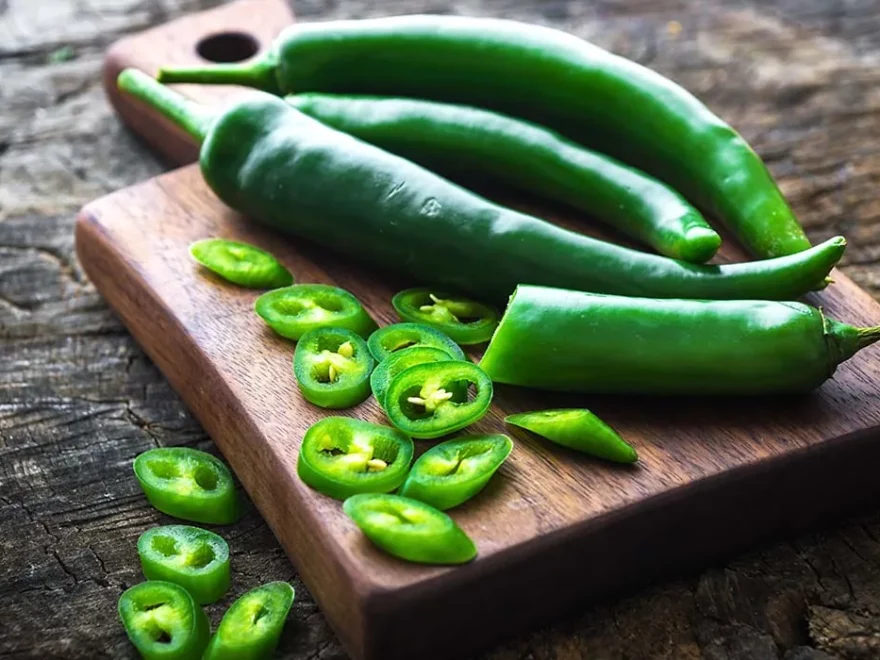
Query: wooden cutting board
[[554, 529]]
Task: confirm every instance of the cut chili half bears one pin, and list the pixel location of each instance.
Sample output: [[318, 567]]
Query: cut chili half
[[194, 558], [400, 361], [430, 400], [189, 484], [464, 320], [409, 529], [577, 429], [341, 456], [392, 338], [252, 625], [332, 367], [241, 263], [452, 472], [294, 310], [163, 621]]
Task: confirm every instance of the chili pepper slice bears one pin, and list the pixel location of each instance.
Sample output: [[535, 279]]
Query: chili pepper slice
[[188, 483], [252, 625], [341, 456], [294, 310], [409, 529], [577, 429], [398, 336], [332, 367], [241, 263], [463, 320], [454, 471], [400, 361], [430, 400], [194, 558], [163, 621]]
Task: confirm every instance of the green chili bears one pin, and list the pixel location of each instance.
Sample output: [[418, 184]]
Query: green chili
[[430, 400], [463, 320], [341, 456], [454, 471], [240, 263], [189, 484], [400, 361], [284, 169], [332, 367], [399, 336], [294, 310], [409, 529], [577, 429], [196, 559], [252, 626], [163, 621], [570, 340]]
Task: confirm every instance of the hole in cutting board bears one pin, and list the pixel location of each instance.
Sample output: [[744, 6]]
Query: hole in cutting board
[[228, 47]]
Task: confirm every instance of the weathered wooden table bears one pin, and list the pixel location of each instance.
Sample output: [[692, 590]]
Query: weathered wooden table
[[78, 399]]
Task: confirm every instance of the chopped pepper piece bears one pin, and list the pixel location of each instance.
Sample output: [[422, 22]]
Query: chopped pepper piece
[[464, 320], [163, 621], [252, 625], [341, 456], [577, 429], [194, 558], [410, 529], [189, 484], [400, 361], [396, 337], [332, 367], [241, 263], [294, 310]]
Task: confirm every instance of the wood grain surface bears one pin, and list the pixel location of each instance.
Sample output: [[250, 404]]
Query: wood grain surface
[[79, 399], [554, 529]]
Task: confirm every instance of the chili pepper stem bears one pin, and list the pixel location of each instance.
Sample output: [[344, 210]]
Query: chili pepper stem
[[191, 117], [259, 74], [868, 336]]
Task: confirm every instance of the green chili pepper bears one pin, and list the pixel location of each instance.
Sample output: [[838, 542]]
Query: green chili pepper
[[163, 621], [463, 143], [189, 484], [454, 471], [341, 456], [400, 361], [577, 429], [240, 263], [294, 310], [570, 340], [551, 77], [410, 529], [196, 559], [332, 367], [252, 626], [280, 167], [399, 336], [430, 400], [463, 320]]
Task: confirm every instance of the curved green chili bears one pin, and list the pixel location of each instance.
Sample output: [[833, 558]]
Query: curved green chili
[[463, 320], [400, 361], [570, 340], [294, 310], [252, 626], [276, 165], [551, 77], [410, 529], [396, 337], [196, 559], [240, 263], [452, 472], [332, 367], [577, 429]]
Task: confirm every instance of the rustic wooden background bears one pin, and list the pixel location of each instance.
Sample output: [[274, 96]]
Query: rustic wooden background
[[78, 398]]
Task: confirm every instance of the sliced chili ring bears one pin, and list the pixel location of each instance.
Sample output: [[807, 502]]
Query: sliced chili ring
[[430, 400], [163, 621], [294, 310], [341, 456], [464, 320], [452, 472], [332, 367], [241, 263], [188, 483], [252, 625], [385, 341], [194, 558], [410, 529], [400, 361]]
